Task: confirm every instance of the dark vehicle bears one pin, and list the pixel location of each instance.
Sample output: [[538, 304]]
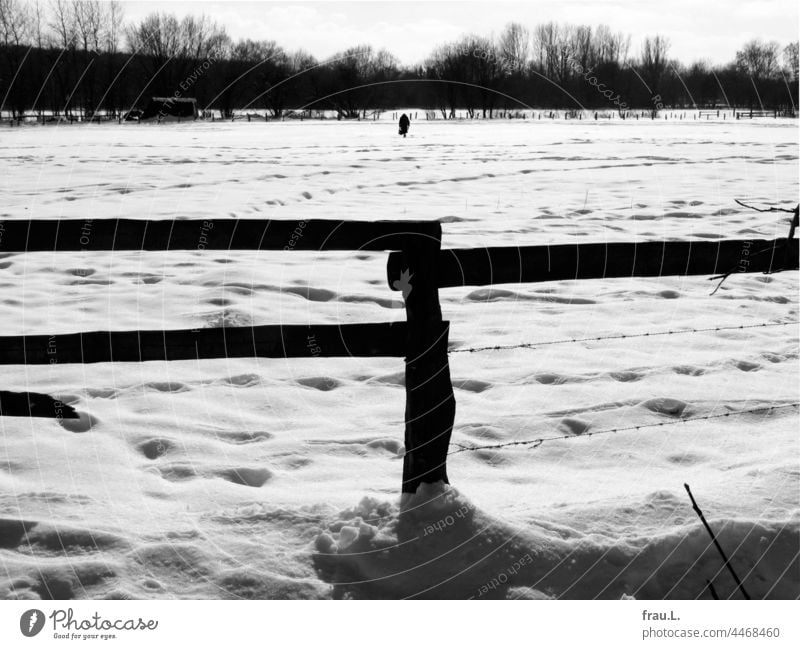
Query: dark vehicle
[[170, 109], [133, 115]]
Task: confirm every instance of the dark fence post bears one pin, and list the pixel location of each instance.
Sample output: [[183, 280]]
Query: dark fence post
[[430, 403]]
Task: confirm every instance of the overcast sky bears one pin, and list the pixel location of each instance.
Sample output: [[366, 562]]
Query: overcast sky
[[697, 29]]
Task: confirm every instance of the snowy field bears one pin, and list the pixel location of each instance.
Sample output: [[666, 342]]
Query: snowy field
[[280, 478]]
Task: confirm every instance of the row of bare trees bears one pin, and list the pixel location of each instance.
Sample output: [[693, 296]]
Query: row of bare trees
[[579, 66], [80, 57], [58, 54]]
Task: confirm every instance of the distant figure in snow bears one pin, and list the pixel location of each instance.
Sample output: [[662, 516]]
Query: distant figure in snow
[[404, 124]]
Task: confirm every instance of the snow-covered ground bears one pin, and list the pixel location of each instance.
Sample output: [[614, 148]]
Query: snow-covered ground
[[280, 478]]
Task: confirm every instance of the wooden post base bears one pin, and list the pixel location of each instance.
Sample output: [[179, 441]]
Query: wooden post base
[[430, 414]]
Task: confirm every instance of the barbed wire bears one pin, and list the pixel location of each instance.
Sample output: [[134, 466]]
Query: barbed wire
[[535, 443], [647, 334]]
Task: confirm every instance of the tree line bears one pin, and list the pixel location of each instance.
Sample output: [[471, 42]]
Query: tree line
[[81, 58]]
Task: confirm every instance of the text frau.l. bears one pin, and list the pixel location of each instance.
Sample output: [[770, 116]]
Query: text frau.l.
[[66, 620]]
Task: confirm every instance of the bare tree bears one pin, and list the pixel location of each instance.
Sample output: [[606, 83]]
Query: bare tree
[[253, 72], [89, 18], [37, 24], [759, 59], [485, 73], [276, 70], [361, 71], [582, 46], [790, 60], [612, 48], [539, 45], [15, 22], [201, 38], [654, 65], [157, 36], [62, 24], [444, 67], [514, 46], [113, 20], [552, 47], [63, 34], [545, 39], [172, 49]]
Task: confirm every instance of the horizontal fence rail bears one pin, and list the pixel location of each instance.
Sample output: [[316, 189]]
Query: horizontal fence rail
[[33, 404], [210, 234], [418, 267], [511, 265], [266, 341]]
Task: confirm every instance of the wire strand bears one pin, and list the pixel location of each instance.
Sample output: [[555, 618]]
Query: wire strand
[[535, 443], [648, 334]]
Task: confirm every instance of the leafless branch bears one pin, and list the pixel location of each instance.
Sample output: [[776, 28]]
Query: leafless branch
[[767, 209]]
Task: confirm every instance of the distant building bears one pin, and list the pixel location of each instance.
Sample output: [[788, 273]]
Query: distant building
[[170, 109]]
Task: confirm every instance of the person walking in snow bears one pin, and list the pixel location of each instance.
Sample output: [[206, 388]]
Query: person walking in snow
[[404, 124]]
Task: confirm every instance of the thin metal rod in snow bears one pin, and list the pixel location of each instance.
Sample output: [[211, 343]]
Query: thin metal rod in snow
[[716, 543]]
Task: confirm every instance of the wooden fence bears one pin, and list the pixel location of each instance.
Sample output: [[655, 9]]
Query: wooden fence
[[416, 265], [775, 113]]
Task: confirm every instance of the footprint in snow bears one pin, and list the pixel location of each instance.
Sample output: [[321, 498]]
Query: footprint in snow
[[83, 423], [153, 449]]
